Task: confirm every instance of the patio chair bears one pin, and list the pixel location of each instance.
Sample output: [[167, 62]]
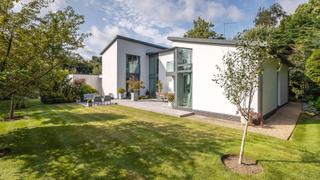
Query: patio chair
[[97, 100], [107, 98]]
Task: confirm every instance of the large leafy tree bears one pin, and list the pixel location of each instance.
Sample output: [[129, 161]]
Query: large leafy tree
[[240, 78], [270, 16], [313, 67], [96, 63], [201, 29], [31, 46], [296, 37], [260, 32]]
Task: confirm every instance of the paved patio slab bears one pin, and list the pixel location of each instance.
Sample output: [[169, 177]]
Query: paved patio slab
[[280, 125], [154, 106]]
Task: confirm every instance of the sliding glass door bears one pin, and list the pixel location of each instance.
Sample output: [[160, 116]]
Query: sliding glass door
[[184, 90]]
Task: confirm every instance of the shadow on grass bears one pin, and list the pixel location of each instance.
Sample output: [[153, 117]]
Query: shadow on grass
[[128, 150]]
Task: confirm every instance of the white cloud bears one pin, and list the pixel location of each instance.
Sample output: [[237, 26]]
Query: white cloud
[[156, 19], [234, 13], [101, 39], [290, 5], [87, 50]]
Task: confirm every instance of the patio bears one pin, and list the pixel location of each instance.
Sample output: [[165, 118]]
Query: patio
[[153, 105]]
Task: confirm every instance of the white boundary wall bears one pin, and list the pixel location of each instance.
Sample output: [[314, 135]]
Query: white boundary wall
[[94, 80]]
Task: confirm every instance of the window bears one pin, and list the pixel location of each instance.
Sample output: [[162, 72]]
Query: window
[[184, 56], [133, 64]]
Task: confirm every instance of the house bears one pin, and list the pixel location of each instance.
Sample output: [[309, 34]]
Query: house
[[187, 69]]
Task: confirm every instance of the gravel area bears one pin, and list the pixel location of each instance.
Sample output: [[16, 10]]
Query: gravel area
[[280, 125]]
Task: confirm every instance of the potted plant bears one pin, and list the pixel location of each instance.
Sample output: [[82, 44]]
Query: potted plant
[[170, 98], [78, 99], [135, 86], [159, 86], [121, 92], [89, 103]]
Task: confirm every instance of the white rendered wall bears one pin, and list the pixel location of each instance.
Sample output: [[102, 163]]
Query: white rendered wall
[[284, 85], [270, 87], [132, 48], [109, 70], [92, 80], [168, 82], [207, 95]]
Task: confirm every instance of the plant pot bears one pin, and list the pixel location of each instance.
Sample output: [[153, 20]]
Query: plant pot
[[78, 100], [170, 104], [134, 96], [121, 95], [89, 104]]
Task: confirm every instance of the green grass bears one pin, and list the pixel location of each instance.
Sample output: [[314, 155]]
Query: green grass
[[69, 141]]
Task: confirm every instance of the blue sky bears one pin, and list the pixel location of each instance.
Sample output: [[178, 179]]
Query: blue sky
[[153, 20]]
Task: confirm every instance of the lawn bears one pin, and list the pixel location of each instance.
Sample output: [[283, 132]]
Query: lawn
[[69, 141]]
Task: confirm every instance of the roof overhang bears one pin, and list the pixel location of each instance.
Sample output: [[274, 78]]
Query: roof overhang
[[169, 49], [131, 40]]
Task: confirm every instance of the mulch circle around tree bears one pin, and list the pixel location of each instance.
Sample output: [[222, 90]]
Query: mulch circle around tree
[[14, 119], [248, 166], [4, 152]]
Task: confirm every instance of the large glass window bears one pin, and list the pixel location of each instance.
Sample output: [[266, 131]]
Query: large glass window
[[153, 73], [133, 64], [184, 56], [154, 65], [184, 91]]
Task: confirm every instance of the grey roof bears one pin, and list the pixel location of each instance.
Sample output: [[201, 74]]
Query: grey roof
[[169, 49], [208, 41], [132, 40]]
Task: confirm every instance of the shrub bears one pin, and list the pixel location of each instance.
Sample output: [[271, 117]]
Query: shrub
[[89, 101], [121, 90], [154, 97], [142, 97], [78, 97], [147, 97], [139, 97], [86, 89], [317, 104], [61, 92], [170, 97], [311, 108], [77, 82], [147, 93]]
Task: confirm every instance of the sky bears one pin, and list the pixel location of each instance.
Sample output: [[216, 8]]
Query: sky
[[154, 20]]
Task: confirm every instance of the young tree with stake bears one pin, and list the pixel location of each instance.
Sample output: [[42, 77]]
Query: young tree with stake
[[240, 78]]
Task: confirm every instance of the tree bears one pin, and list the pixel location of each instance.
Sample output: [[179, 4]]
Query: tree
[[240, 79], [201, 29], [313, 67], [135, 85], [31, 46], [271, 16], [296, 38], [159, 86], [96, 63], [262, 32]]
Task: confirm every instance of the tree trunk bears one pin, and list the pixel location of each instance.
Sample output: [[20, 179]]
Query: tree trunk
[[242, 144], [12, 108]]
